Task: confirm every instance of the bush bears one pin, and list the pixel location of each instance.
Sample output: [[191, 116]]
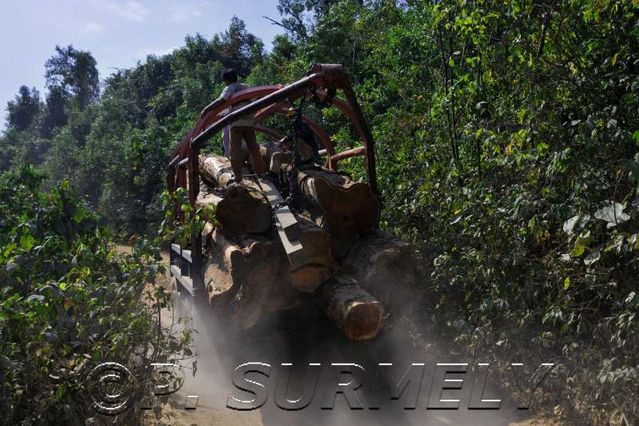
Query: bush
[[68, 302]]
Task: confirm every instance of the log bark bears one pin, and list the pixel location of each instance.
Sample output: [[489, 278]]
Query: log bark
[[320, 264], [240, 209], [354, 310], [216, 170], [385, 266], [274, 156], [254, 287], [341, 206]]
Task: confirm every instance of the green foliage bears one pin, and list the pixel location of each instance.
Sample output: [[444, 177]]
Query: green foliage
[[114, 149], [24, 109], [507, 145], [497, 124], [69, 302], [75, 73], [181, 220]]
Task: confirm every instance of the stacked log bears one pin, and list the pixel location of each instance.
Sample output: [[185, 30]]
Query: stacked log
[[386, 266], [320, 265], [240, 209], [354, 310], [250, 266], [343, 207], [250, 270]]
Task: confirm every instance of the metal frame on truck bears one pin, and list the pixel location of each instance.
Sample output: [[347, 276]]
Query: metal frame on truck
[[321, 84]]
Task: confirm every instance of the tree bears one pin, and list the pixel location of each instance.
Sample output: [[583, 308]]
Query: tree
[[23, 109], [239, 49], [55, 114], [295, 16], [75, 72]]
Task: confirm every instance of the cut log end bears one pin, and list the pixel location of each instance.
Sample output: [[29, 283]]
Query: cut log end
[[354, 310], [363, 320]]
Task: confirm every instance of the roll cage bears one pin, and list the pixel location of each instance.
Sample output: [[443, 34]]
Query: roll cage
[[321, 84]]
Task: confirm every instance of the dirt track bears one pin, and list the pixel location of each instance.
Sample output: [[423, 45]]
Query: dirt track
[[302, 336]]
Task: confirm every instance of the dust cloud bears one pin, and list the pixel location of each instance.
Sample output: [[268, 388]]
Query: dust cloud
[[304, 335]]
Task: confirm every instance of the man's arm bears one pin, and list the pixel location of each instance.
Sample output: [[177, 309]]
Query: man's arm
[[219, 101], [224, 96]]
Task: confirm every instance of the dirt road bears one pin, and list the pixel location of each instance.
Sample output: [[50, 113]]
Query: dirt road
[[304, 336]]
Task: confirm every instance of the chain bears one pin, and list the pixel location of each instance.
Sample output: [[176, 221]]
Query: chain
[[295, 191]]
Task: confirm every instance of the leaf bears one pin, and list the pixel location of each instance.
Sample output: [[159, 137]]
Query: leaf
[[566, 283], [79, 215], [456, 220], [8, 249], [569, 225], [615, 58], [592, 257], [579, 248], [613, 214], [27, 241]]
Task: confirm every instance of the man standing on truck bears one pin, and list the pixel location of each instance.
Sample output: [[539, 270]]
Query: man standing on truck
[[238, 130]]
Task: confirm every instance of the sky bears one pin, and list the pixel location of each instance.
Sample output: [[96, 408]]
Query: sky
[[118, 33]]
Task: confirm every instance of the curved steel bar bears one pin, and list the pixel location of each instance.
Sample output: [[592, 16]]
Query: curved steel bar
[[291, 91], [282, 109], [210, 117]]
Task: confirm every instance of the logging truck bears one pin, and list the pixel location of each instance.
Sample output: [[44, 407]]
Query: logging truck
[[306, 228]]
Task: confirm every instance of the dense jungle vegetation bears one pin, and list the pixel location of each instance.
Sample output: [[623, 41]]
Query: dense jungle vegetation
[[508, 153]]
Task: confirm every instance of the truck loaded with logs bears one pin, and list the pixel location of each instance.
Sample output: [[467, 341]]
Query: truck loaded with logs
[[303, 228]]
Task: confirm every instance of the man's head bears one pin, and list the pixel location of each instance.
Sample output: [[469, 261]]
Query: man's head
[[229, 75]]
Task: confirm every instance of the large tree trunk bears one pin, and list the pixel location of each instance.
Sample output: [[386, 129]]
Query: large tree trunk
[[255, 287], [341, 206], [254, 275], [216, 170], [386, 267], [355, 311], [240, 210], [319, 263]]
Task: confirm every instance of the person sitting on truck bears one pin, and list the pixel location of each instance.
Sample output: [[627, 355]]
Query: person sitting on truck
[[239, 130]]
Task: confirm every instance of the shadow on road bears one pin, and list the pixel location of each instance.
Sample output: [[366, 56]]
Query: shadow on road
[[304, 335]]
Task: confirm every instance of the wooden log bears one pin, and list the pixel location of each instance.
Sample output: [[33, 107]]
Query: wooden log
[[274, 148], [240, 209], [355, 311], [315, 265], [216, 170], [319, 263], [385, 266], [207, 198], [345, 208], [255, 286]]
